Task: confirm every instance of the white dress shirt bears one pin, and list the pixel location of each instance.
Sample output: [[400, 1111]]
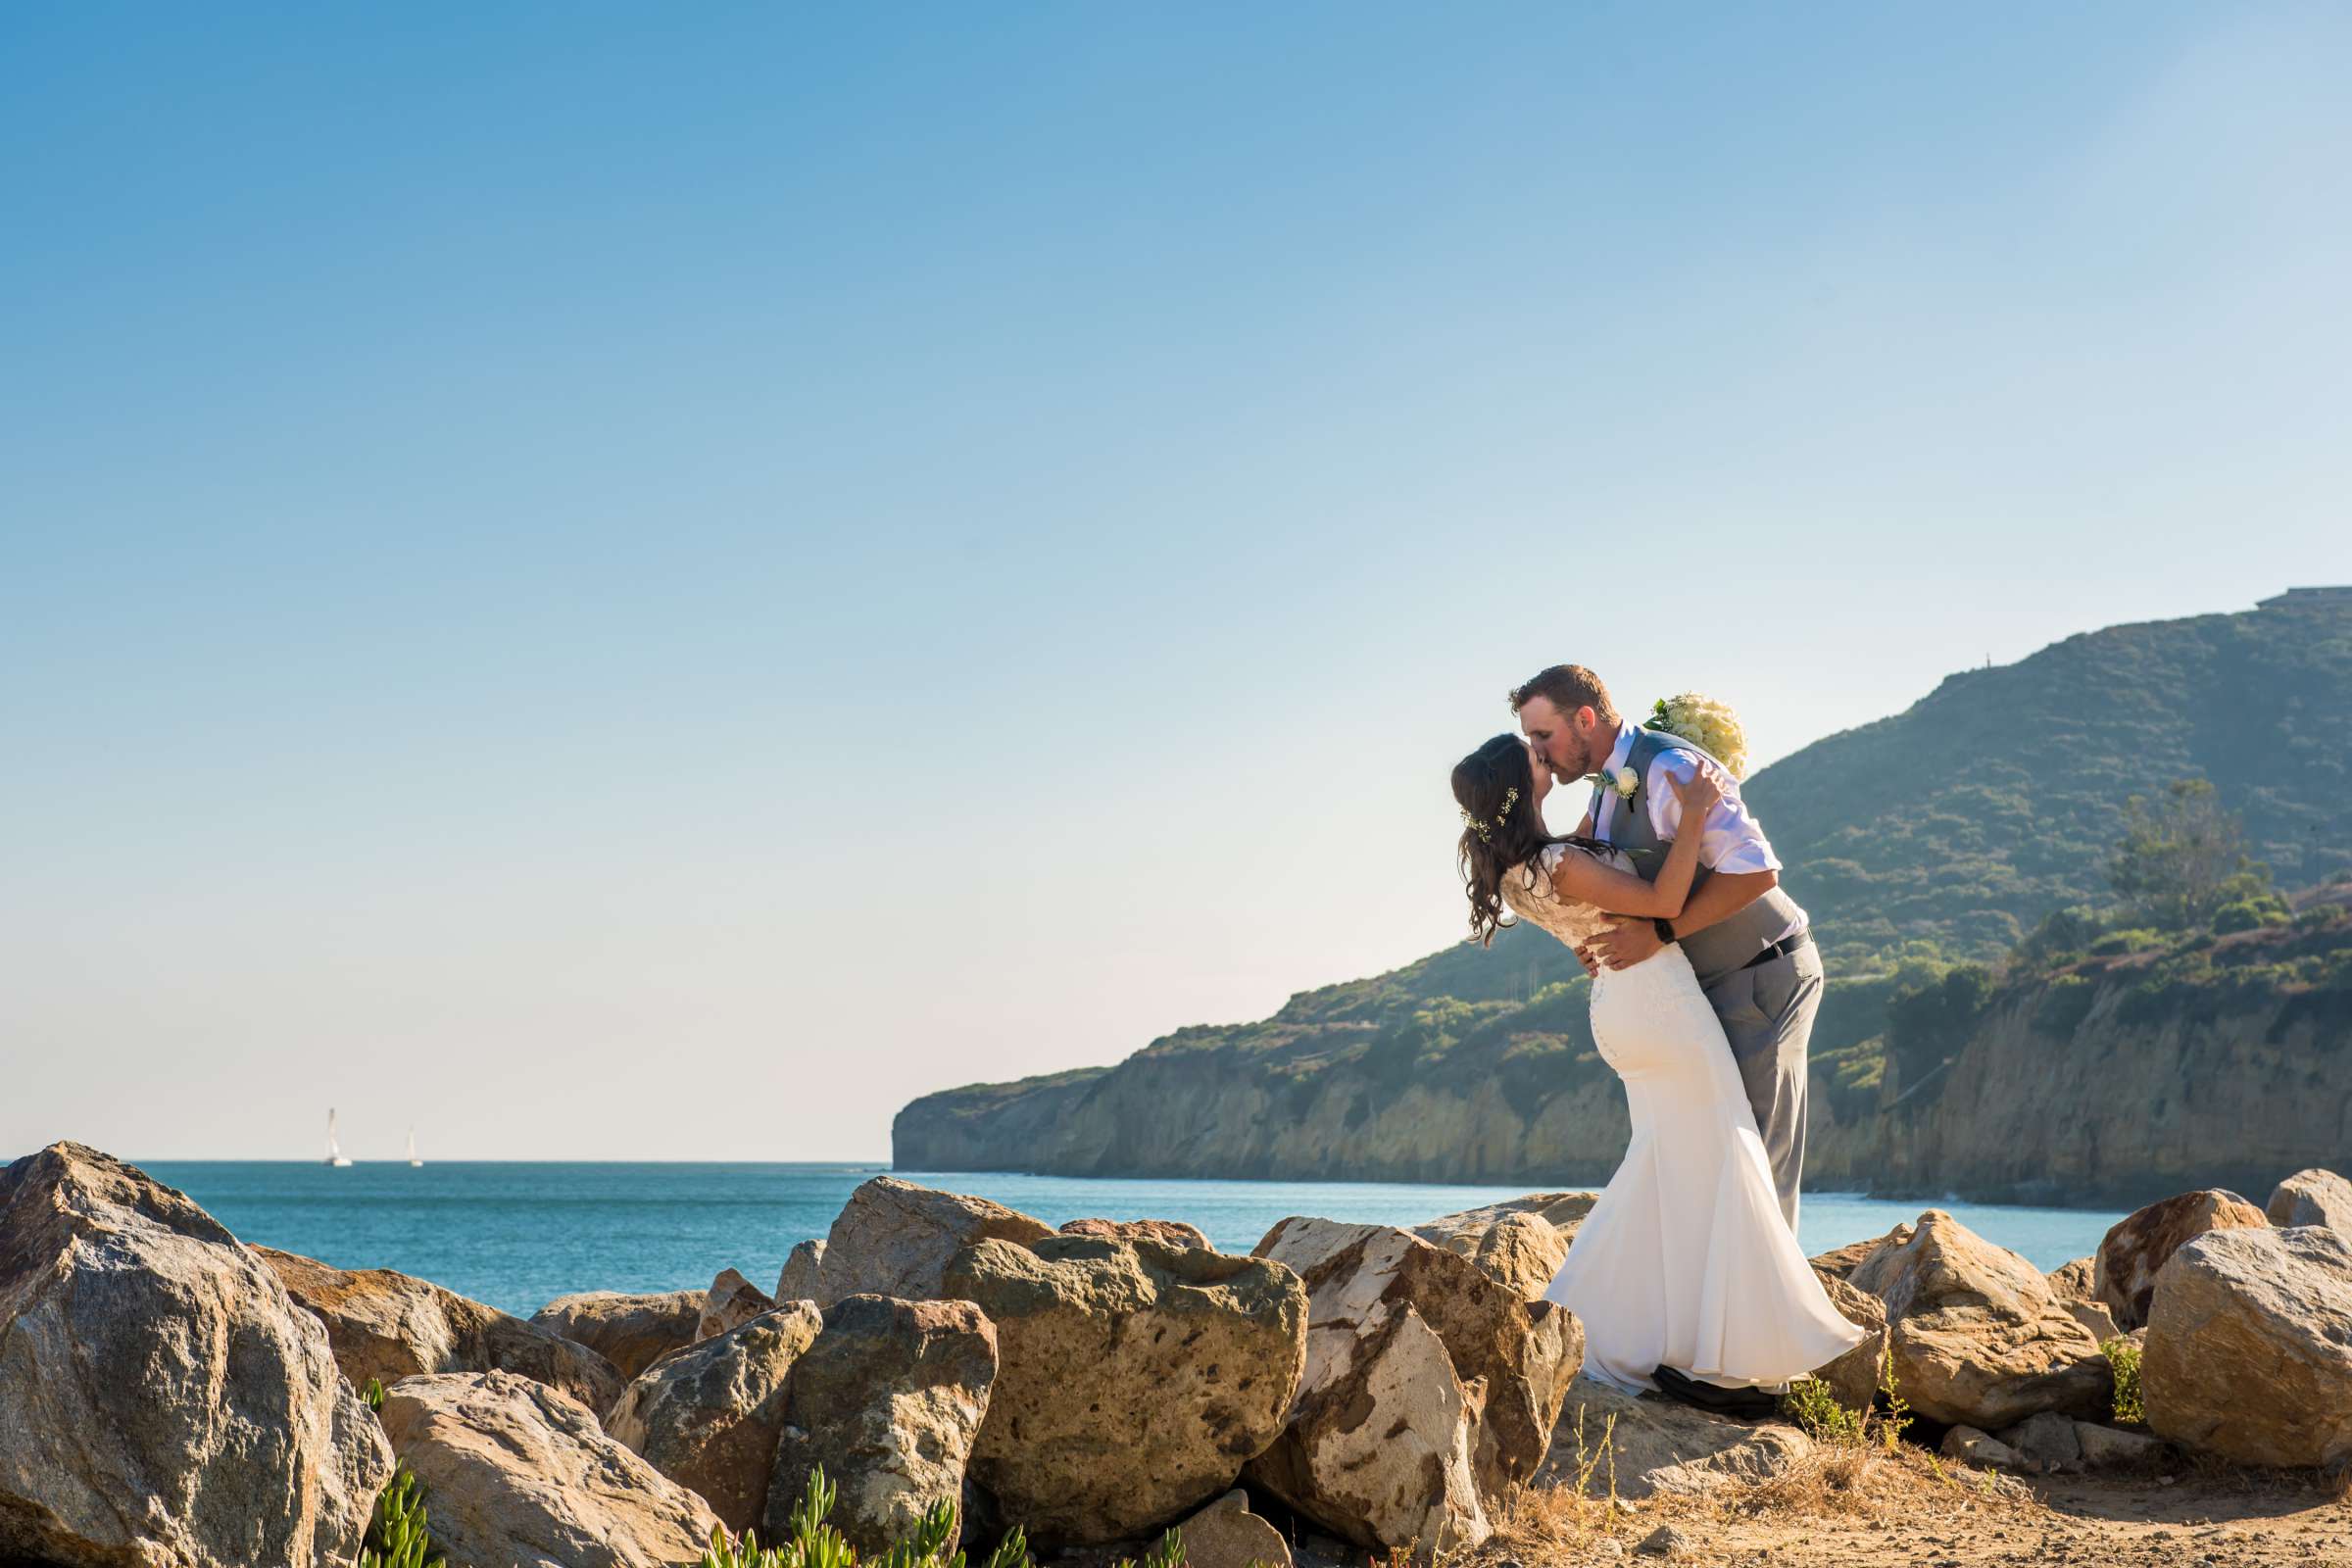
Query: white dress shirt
[[1729, 842]]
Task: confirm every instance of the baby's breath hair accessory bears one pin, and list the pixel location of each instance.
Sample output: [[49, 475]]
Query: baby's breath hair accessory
[[1485, 830]]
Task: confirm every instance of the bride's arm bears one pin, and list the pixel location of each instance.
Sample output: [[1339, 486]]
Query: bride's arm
[[1585, 879]]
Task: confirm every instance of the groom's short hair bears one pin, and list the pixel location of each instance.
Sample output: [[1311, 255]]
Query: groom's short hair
[[1568, 687]]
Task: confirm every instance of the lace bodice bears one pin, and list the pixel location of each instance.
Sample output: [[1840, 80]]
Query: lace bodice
[[1528, 890]]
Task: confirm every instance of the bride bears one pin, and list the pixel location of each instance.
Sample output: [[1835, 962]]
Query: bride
[[1685, 1269]]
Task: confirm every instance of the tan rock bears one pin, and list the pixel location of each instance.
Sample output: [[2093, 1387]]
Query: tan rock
[[632, 1332], [2048, 1440], [1652, 1445], [1853, 1378], [2095, 1318], [2123, 1273], [710, 1417], [1227, 1535], [387, 1325], [2312, 1198], [1133, 1379], [731, 1302], [2076, 1281], [1463, 1232], [516, 1472], [1511, 1361], [895, 1238], [1522, 1253], [1977, 1336], [797, 1281], [1839, 1263], [1982, 1448], [888, 1401], [1167, 1232], [2249, 1346], [161, 1401], [2113, 1449]]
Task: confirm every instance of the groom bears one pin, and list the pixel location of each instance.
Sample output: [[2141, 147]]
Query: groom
[[1747, 940]]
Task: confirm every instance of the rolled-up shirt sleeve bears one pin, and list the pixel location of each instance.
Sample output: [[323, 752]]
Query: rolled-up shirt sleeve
[[1731, 840]]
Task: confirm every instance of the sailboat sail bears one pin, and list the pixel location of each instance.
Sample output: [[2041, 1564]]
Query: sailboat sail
[[335, 1150]]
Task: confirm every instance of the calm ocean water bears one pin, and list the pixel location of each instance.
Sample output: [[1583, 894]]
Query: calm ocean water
[[518, 1235]]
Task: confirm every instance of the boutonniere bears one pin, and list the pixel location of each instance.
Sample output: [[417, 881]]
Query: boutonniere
[[1624, 782]]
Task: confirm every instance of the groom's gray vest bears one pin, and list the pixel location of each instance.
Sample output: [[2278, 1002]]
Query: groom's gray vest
[[1727, 946]]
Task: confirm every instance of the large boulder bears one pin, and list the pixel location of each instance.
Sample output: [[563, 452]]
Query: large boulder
[[2249, 1346], [2312, 1198], [888, 1400], [632, 1332], [1134, 1382], [161, 1401], [2124, 1271], [1167, 1232], [1841, 1261], [731, 1302], [797, 1280], [893, 1237], [1977, 1336], [709, 1416], [1430, 1391], [1463, 1232], [388, 1325], [1522, 1253], [1645, 1445], [516, 1472]]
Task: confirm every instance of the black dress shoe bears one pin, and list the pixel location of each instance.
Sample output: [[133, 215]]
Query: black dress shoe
[[1740, 1404]]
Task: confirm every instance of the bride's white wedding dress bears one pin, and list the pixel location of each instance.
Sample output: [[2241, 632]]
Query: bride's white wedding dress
[[1684, 1262]]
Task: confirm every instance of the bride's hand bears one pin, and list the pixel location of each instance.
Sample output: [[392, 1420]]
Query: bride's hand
[[1698, 796]]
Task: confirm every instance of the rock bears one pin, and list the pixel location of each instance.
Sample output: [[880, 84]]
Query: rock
[[1461, 1233], [1430, 1389], [889, 1401], [1522, 1253], [2094, 1318], [2249, 1346], [2110, 1449], [1227, 1535], [2312, 1198], [732, 1302], [1167, 1232], [1134, 1380], [2048, 1440], [387, 1325], [1853, 1378], [632, 1332], [161, 1401], [1841, 1261], [893, 1237], [2125, 1271], [797, 1282], [2074, 1281], [1977, 1336], [1666, 1542], [1658, 1447], [1979, 1448], [710, 1417], [516, 1472]]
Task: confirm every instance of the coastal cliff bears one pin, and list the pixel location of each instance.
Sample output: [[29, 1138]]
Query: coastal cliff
[[1926, 845]]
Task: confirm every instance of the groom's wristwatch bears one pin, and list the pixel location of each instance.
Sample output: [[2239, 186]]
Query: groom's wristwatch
[[1663, 926]]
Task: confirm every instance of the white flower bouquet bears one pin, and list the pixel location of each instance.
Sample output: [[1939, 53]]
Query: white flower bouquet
[[1706, 723]]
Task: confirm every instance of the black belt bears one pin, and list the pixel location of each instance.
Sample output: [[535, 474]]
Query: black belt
[[1780, 948]]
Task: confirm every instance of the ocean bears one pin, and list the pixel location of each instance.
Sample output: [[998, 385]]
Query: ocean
[[516, 1235]]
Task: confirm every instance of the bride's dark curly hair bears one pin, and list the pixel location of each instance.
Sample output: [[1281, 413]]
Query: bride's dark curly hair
[[1498, 772]]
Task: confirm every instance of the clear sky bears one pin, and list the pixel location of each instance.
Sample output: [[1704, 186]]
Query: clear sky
[[653, 581]]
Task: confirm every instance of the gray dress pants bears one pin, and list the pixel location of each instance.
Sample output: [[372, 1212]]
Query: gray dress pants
[[1767, 1014]]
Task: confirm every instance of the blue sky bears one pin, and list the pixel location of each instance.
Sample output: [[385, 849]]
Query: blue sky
[[651, 582]]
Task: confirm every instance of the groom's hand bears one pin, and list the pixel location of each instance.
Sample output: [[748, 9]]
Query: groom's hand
[[1625, 944]]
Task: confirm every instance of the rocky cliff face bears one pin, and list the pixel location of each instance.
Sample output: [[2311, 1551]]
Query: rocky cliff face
[[2106, 1082]]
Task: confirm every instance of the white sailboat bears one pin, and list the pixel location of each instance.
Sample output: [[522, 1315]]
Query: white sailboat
[[334, 1151], [413, 1161]]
